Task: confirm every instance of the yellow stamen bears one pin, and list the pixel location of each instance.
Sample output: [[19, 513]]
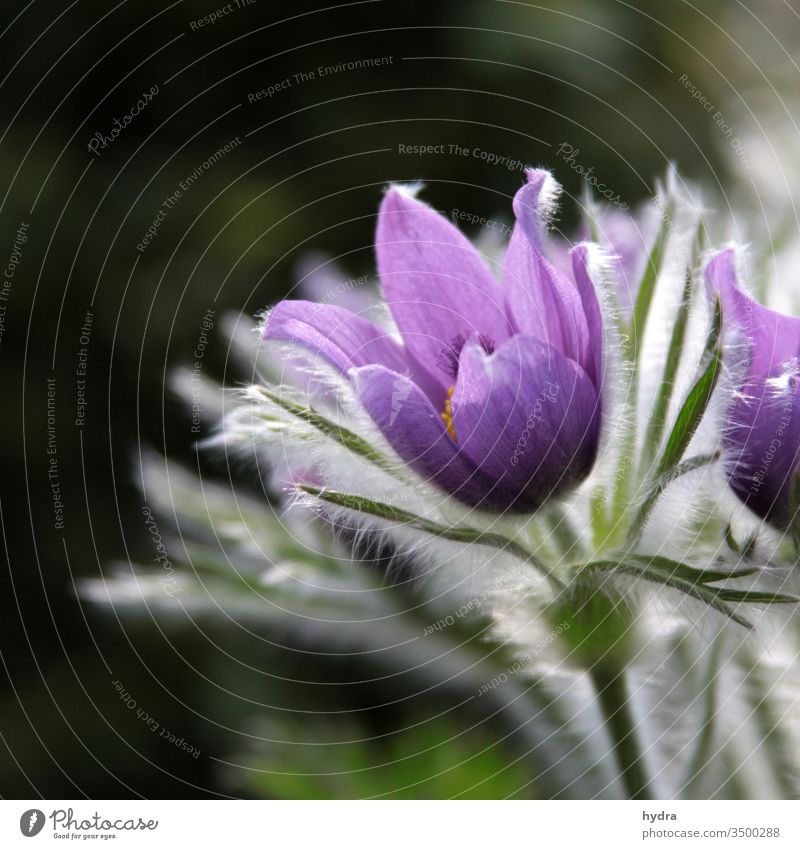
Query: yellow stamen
[[447, 415]]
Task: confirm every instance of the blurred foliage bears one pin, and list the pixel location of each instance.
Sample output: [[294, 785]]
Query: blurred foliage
[[423, 761]]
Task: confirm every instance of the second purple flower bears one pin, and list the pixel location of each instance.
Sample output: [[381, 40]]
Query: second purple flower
[[763, 428]]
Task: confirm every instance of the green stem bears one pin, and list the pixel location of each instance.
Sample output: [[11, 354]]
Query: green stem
[[705, 736], [613, 697]]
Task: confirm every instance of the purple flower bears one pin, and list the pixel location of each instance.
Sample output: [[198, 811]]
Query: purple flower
[[763, 429], [627, 238], [493, 390]]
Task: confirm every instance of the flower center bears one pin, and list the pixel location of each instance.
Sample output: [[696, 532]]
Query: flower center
[[447, 415], [448, 361], [449, 364]]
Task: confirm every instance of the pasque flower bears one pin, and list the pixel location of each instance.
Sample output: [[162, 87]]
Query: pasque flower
[[627, 239], [763, 427], [492, 389]]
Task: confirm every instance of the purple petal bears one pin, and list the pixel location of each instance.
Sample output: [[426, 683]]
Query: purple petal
[[415, 430], [437, 285], [540, 300], [526, 415], [630, 239], [763, 432], [340, 337], [773, 338], [591, 353], [532, 206], [764, 439]]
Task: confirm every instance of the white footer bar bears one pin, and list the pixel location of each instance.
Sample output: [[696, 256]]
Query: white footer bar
[[405, 825]]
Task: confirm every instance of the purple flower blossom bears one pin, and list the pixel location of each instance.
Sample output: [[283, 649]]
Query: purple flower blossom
[[627, 239], [763, 430], [493, 390]]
